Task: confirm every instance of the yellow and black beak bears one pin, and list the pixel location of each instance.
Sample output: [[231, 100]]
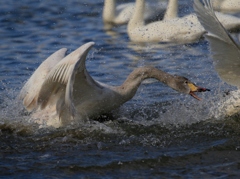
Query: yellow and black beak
[[194, 88]]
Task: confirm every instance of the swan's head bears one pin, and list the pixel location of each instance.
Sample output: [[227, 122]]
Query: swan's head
[[184, 85]]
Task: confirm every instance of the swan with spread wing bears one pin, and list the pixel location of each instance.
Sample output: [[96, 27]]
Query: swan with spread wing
[[62, 90]]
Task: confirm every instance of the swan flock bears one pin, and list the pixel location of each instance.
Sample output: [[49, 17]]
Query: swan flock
[[61, 90]]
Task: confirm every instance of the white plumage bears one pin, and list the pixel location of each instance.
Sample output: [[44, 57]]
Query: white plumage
[[122, 13], [61, 89], [185, 29]]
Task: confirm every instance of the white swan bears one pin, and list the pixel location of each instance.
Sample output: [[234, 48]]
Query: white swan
[[225, 52], [121, 14], [61, 89], [186, 29], [227, 6]]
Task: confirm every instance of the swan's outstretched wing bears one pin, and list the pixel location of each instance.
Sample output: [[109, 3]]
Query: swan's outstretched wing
[[225, 51], [59, 84], [30, 91]]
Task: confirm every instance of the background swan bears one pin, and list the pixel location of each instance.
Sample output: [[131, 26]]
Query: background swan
[[185, 29], [122, 13], [66, 91], [225, 52], [227, 6]]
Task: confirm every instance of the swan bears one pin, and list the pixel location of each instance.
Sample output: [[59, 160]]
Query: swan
[[174, 29], [122, 13], [61, 89], [225, 52], [227, 6]]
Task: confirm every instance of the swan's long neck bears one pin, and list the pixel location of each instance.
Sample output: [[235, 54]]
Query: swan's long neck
[[172, 10], [137, 17], [109, 10], [133, 81]]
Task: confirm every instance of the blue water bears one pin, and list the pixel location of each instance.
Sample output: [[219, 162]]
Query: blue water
[[157, 134]]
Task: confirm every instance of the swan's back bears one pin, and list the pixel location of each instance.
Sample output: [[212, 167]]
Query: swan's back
[[176, 30], [227, 6]]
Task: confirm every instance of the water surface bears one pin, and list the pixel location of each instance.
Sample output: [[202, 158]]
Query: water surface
[[159, 133]]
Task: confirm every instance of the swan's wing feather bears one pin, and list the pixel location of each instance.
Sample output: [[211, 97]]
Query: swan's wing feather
[[226, 60], [225, 51], [29, 92], [58, 86]]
